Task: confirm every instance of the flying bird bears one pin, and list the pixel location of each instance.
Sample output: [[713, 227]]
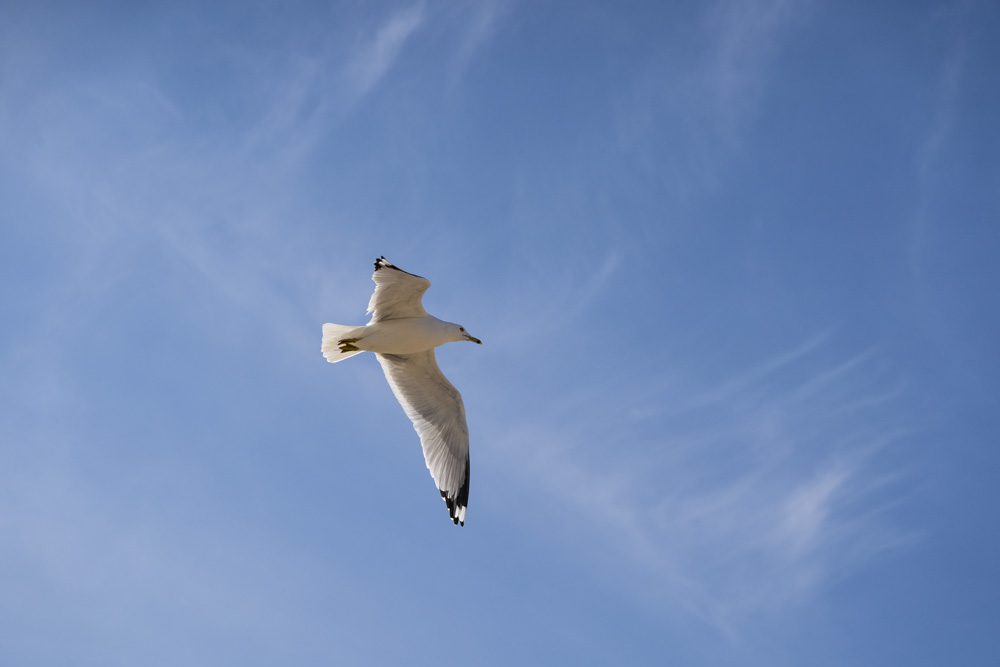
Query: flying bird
[[403, 337]]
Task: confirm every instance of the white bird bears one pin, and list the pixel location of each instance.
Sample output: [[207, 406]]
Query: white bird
[[403, 337]]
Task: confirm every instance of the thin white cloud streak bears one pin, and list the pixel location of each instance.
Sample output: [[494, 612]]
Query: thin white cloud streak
[[680, 121], [755, 494], [931, 147], [372, 62], [477, 31], [543, 286], [311, 92], [301, 107], [746, 37]]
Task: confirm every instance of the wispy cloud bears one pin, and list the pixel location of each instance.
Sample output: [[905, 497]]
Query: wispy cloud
[[480, 23], [933, 143], [756, 493], [680, 120], [372, 61], [745, 38], [307, 91]]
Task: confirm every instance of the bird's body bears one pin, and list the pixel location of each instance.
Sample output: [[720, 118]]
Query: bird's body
[[406, 336], [403, 337]]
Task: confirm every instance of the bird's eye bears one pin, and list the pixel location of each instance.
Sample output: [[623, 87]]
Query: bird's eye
[[461, 328]]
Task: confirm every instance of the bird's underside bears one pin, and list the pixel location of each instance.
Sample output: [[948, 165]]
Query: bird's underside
[[403, 336]]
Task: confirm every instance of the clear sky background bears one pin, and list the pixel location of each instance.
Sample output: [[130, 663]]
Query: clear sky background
[[734, 265]]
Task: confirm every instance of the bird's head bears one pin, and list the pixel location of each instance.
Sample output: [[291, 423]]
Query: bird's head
[[461, 334]]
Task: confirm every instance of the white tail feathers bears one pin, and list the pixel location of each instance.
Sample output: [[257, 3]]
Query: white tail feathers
[[332, 335]]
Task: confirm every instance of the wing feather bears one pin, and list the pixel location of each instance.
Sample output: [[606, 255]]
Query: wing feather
[[438, 414], [397, 293]]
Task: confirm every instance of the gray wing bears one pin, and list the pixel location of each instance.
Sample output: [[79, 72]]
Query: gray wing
[[435, 407], [397, 293]]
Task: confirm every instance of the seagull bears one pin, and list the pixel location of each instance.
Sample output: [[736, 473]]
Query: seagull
[[403, 337]]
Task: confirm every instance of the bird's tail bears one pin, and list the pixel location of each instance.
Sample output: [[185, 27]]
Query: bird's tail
[[338, 342]]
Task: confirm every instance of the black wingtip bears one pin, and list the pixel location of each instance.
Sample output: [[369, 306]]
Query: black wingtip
[[460, 502], [382, 263], [454, 509], [463, 493]]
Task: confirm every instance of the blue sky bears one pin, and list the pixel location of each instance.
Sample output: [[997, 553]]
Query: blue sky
[[734, 265]]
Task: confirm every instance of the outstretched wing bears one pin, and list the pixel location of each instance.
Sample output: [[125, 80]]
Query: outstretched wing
[[397, 293], [435, 407]]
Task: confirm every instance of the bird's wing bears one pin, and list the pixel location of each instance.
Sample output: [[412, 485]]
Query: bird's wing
[[397, 293], [435, 407]]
